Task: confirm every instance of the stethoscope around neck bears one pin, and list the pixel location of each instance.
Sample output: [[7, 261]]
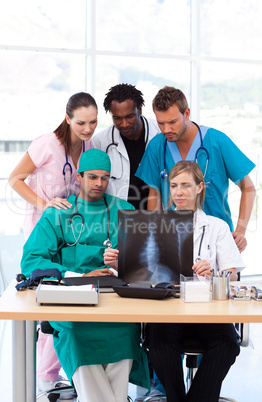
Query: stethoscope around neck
[[78, 215], [164, 173], [68, 166], [115, 144], [200, 245]]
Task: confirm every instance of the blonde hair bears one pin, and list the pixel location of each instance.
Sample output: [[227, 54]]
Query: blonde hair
[[194, 169]]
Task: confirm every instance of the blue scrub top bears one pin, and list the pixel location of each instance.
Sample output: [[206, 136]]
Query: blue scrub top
[[226, 161]]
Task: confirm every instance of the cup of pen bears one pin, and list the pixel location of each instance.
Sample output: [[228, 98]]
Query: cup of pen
[[220, 287]]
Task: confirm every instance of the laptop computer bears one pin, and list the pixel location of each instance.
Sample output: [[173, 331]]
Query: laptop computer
[[155, 246]]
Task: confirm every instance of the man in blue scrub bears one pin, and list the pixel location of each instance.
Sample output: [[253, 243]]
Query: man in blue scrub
[[219, 158]]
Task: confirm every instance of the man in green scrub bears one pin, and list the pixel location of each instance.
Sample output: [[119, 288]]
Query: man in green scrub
[[99, 358]]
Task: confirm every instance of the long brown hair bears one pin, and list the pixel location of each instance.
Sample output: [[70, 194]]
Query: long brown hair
[[80, 99], [194, 169]]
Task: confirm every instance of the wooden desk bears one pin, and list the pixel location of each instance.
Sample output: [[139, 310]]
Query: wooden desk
[[16, 305], [22, 308]]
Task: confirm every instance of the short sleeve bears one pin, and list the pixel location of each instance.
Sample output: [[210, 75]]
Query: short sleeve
[[149, 167], [237, 164], [41, 148]]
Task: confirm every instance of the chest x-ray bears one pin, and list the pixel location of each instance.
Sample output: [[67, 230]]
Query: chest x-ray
[[155, 246]]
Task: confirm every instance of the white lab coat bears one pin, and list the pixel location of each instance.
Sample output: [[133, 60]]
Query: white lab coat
[[120, 166], [218, 246]]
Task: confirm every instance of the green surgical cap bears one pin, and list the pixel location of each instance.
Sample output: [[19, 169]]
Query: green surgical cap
[[94, 159]]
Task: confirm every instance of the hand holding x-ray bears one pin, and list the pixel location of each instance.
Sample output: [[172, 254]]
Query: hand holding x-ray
[[111, 257]]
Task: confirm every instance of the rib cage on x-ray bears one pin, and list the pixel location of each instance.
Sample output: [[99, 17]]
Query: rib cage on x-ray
[[151, 257], [158, 254]]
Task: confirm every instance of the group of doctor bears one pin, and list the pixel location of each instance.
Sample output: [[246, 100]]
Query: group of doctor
[[142, 153]]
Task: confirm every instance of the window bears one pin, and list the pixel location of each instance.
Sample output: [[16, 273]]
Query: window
[[50, 50]]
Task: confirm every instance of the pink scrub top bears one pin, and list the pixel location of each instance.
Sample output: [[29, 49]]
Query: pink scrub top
[[47, 180]]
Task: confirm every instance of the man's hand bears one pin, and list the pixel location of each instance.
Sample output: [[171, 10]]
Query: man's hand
[[248, 194], [240, 241], [99, 272], [111, 257]]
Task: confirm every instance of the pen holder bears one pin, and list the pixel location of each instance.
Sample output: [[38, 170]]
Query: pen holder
[[220, 288]]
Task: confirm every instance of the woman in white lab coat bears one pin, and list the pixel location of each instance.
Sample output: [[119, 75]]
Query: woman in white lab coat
[[214, 248]]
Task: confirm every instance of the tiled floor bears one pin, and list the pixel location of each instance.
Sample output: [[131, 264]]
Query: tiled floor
[[243, 383]]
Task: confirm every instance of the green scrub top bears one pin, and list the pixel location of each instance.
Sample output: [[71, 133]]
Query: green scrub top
[[80, 343]]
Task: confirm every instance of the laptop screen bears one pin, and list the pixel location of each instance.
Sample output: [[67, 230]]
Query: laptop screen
[[155, 246]]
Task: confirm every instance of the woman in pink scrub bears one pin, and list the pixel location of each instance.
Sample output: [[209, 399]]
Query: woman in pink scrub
[[50, 166]]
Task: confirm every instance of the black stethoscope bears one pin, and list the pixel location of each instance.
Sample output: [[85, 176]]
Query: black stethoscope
[[200, 245], [113, 143], [164, 173], [68, 167], [78, 215]]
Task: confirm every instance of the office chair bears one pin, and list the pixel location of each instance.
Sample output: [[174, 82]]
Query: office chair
[[62, 386], [192, 350], [54, 394]]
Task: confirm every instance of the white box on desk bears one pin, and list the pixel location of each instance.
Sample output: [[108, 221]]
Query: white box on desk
[[195, 289], [56, 294]]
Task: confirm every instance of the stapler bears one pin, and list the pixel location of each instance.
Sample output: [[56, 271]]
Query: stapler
[[256, 293]]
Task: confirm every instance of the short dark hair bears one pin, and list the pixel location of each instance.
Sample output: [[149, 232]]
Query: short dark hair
[[122, 92], [169, 96]]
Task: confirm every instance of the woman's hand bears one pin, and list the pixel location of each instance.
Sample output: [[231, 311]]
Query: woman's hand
[[233, 275], [99, 272], [111, 257], [202, 268], [58, 203]]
